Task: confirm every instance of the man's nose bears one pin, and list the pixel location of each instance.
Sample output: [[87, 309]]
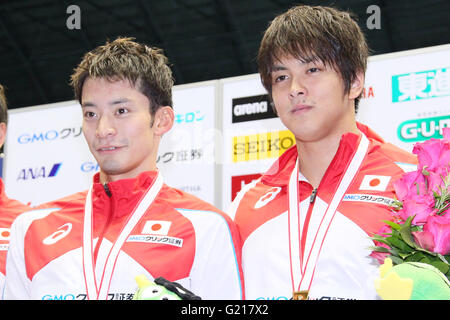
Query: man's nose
[[297, 87], [106, 127]]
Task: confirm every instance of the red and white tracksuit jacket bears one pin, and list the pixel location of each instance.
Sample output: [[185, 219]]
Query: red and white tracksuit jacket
[[9, 210], [179, 237], [272, 262]]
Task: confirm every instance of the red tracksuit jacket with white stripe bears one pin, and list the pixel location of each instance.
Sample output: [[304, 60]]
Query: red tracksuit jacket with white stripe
[[9, 210], [179, 237], [344, 267]]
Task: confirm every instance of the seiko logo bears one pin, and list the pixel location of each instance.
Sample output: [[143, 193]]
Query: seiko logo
[[252, 108]]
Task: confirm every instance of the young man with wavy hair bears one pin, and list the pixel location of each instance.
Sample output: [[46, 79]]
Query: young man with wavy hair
[[92, 245], [305, 224]]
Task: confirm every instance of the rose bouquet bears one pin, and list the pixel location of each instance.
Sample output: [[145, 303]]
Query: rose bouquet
[[420, 230]]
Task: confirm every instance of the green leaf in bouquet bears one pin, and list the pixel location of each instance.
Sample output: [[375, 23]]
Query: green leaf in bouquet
[[400, 244], [396, 260], [444, 268], [393, 225], [405, 233], [379, 249], [379, 239], [418, 256]]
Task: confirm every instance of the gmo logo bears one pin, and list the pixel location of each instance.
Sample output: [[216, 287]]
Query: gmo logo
[[90, 166], [42, 137], [50, 135]]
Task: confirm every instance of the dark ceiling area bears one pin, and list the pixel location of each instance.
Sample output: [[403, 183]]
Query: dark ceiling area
[[203, 39]]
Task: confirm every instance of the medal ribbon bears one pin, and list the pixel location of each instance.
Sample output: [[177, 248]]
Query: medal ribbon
[[302, 268], [101, 292]]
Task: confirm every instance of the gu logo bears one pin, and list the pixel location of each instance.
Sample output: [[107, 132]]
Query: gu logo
[[266, 198]]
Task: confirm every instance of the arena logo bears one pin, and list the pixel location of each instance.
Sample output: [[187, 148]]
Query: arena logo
[[421, 85], [262, 145], [252, 108], [39, 172], [422, 129]]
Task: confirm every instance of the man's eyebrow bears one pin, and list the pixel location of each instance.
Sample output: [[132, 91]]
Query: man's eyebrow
[[119, 101], [88, 104], [277, 67], [112, 103]]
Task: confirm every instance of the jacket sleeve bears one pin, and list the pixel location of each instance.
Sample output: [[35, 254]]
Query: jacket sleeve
[[17, 284], [216, 272]]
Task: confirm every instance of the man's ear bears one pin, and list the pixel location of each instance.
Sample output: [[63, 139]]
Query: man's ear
[[2, 133], [163, 121], [357, 86]]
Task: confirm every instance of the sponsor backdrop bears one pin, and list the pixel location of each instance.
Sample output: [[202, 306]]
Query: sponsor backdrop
[[406, 99], [225, 133], [47, 156]]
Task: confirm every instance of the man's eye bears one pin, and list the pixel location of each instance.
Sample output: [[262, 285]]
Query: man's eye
[[89, 114], [312, 70], [280, 78], [122, 111]]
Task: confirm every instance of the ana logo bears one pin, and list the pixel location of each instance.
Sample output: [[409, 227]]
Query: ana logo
[[422, 129], [156, 227], [5, 233], [39, 172], [269, 196], [252, 108], [374, 183], [62, 232]]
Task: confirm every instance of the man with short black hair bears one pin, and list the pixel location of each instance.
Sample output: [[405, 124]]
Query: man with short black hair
[[305, 224], [92, 246]]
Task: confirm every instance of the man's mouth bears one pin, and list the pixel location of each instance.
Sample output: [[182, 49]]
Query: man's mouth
[[300, 108], [105, 149]]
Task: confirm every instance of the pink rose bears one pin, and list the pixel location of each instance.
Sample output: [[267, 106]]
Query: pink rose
[[432, 154], [411, 190], [424, 239], [436, 180], [419, 206], [439, 227], [410, 185]]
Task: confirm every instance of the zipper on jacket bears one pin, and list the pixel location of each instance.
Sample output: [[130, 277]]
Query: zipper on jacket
[[313, 196], [108, 221], [107, 191]]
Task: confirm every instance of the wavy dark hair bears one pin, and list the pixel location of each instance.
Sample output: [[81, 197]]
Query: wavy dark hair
[[311, 34], [145, 67]]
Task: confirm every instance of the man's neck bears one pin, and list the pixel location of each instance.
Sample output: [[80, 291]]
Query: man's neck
[[315, 157]]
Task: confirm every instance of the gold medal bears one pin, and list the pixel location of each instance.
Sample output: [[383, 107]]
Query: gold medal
[[300, 295]]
